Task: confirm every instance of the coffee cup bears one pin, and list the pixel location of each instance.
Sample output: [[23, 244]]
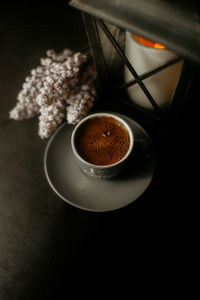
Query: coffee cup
[[101, 144]]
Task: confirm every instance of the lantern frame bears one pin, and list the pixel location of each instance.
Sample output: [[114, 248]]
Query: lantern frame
[[117, 98]]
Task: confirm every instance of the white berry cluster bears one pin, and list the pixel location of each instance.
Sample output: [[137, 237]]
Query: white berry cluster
[[61, 87]]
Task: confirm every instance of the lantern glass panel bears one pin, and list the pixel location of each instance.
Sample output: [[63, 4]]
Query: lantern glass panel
[[114, 63], [154, 91], [108, 44]]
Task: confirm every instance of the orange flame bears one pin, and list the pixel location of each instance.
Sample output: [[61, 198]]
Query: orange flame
[[147, 42]]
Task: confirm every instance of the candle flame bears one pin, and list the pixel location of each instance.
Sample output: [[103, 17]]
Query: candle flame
[[148, 43]]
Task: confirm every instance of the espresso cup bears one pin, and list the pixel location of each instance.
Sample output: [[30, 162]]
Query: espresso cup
[[101, 144]]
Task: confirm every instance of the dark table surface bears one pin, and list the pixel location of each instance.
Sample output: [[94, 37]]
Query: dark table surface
[[51, 250]]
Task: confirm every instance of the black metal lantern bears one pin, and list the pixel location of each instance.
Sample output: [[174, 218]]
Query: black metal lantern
[[148, 80]]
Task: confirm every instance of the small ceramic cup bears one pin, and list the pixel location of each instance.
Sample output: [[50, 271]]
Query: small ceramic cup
[[95, 170]]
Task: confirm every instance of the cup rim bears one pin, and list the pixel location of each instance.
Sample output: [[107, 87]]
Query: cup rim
[[99, 114]]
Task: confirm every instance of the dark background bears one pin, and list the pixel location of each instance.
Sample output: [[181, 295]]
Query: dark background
[[51, 250]]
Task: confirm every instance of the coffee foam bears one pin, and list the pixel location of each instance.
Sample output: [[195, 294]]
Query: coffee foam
[[102, 140]]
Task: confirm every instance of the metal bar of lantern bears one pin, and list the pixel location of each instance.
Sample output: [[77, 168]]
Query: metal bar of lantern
[[95, 45], [130, 67], [148, 74]]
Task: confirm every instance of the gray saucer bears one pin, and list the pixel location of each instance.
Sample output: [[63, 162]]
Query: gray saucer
[[74, 187]]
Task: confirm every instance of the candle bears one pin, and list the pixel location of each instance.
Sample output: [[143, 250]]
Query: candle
[[145, 56]]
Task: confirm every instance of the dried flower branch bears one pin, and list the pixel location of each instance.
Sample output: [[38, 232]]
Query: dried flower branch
[[56, 89]]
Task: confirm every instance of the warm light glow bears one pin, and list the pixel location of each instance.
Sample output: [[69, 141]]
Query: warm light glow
[[147, 42]]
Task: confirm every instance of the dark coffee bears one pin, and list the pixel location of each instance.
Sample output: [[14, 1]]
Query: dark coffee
[[102, 140]]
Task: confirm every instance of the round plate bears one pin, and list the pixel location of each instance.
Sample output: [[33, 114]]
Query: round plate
[[72, 185]]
